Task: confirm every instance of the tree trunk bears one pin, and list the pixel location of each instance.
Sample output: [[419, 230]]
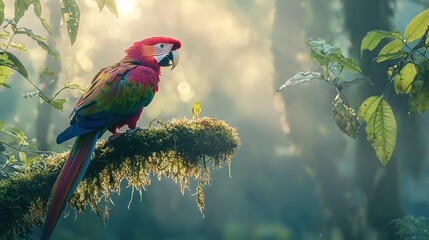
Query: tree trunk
[[380, 184]]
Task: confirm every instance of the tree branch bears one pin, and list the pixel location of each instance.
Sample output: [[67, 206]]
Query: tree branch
[[179, 149]]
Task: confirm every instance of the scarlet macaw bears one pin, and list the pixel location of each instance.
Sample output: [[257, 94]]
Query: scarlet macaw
[[116, 97]]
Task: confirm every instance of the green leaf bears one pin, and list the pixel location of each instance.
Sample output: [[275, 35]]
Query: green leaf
[[71, 16], [18, 46], [368, 108], [20, 7], [37, 7], [390, 56], [47, 75], [345, 117], [31, 94], [75, 86], [1, 11], [418, 100], [5, 72], [111, 5], [4, 34], [426, 42], [11, 160], [404, 79], [320, 49], [45, 47], [17, 134], [392, 47], [40, 41], [380, 126], [417, 26], [373, 38], [10, 60], [45, 25], [300, 78], [17, 64], [101, 4], [22, 156], [348, 63], [58, 103], [38, 12], [321, 46], [329, 56]]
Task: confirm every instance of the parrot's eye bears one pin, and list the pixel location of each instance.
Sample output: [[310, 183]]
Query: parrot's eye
[[162, 45]]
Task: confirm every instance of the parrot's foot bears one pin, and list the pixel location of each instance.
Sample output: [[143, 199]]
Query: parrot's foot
[[113, 136], [131, 131], [127, 133]]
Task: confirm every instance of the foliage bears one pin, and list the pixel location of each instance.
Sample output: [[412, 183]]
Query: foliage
[[71, 16], [410, 227], [180, 149], [300, 78], [110, 4], [408, 75], [16, 151], [380, 126], [345, 117], [26, 150]]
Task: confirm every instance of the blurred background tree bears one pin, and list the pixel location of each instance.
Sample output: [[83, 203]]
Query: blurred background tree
[[296, 176]]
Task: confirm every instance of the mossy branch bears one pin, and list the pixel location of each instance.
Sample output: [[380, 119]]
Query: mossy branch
[[179, 149]]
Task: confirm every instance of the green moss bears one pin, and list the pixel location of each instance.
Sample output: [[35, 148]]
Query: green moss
[[180, 149]]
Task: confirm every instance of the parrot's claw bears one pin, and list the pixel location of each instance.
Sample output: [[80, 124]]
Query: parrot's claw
[[113, 136], [127, 133], [131, 131]]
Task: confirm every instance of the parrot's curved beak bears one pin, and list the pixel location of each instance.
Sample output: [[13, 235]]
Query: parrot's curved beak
[[171, 59], [174, 58]]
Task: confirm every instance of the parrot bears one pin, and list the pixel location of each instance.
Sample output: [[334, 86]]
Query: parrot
[[115, 98]]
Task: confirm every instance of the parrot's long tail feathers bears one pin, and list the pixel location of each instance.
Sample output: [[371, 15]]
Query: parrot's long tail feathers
[[68, 180]]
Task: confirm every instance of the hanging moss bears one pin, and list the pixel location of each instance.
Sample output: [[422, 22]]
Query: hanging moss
[[180, 149]]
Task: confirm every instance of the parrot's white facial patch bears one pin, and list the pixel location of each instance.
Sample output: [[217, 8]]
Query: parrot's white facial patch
[[164, 55], [161, 50]]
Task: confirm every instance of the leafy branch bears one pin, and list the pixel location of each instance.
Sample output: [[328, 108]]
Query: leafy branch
[[16, 153], [7, 59], [408, 75], [14, 142], [70, 15]]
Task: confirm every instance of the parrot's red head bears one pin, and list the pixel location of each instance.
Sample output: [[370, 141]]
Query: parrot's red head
[[155, 52]]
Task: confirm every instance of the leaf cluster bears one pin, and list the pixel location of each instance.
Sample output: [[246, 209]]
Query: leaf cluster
[[410, 227], [11, 29], [408, 75], [15, 152]]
